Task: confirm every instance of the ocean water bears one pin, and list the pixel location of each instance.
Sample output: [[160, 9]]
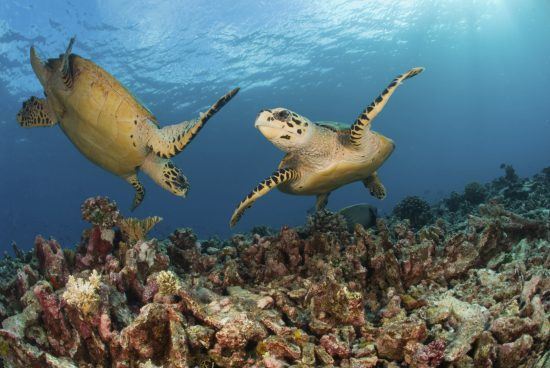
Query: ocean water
[[482, 101]]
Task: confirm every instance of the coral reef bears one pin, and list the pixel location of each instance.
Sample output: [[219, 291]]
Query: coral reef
[[475, 193], [414, 209], [462, 283], [100, 211]]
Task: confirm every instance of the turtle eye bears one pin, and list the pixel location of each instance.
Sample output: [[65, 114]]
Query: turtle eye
[[282, 115]]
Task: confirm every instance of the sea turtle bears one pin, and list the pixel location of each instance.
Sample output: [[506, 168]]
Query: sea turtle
[[321, 157], [107, 124]]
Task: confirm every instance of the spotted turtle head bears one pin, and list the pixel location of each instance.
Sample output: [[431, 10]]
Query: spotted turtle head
[[284, 128]]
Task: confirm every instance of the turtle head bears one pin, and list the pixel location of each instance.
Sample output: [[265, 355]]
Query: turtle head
[[284, 128]]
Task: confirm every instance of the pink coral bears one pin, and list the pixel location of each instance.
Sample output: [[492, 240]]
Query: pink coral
[[51, 262], [511, 354], [335, 346], [59, 334], [507, 329], [278, 347], [418, 355], [98, 247], [26, 277], [393, 337]]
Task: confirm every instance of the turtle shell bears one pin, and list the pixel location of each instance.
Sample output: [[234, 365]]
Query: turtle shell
[[334, 125], [103, 119]]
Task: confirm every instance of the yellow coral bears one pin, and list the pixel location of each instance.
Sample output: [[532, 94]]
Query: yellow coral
[[261, 349], [83, 294], [206, 363], [300, 337], [148, 364], [168, 283], [95, 280], [351, 295], [136, 229]]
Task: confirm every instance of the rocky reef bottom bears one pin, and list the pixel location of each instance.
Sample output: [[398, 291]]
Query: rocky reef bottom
[[462, 283]]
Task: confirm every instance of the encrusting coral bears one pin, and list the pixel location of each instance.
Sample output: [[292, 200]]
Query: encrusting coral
[[168, 283], [463, 283]]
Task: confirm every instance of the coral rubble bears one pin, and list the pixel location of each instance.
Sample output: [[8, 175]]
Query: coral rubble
[[463, 283]]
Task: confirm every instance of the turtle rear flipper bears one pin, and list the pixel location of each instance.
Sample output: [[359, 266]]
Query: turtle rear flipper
[[169, 141], [35, 112], [140, 190], [375, 186], [363, 121], [321, 201]]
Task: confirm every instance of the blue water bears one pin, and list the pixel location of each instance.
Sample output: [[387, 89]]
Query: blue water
[[483, 99]]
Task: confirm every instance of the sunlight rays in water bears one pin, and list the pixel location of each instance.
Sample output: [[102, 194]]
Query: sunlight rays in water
[[158, 48], [486, 73], [148, 44]]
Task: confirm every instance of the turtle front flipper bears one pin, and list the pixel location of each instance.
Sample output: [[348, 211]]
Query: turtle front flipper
[[35, 112], [140, 190], [375, 186], [65, 68], [165, 174], [169, 141], [277, 178], [363, 121]]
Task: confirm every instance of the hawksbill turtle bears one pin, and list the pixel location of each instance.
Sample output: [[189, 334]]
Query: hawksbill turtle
[[107, 124], [323, 156]]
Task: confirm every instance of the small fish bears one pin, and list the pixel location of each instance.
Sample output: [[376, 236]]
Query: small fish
[[363, 214]]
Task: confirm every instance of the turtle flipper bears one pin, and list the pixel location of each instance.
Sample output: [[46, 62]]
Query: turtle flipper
[[321, 201], [165, 174], [375, 186], [140, 190], [169, 141], [65, 68], [363, 121], [278, 177], [35, 112]]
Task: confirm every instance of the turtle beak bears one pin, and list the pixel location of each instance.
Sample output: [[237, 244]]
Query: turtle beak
[[265, 126], [39, 67], [268, 132]]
